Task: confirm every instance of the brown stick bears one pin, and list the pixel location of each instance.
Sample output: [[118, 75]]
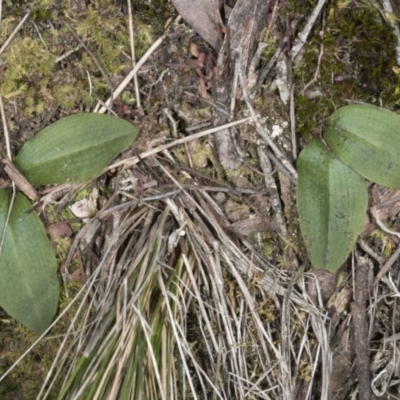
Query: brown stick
[[360, 328], [19, 180]]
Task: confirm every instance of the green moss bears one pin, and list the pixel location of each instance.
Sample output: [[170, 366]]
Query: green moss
[[294, 8], [357, 65], [243, 176], [62, 246], [36, 78], [305, 370], [384, 241], [268, 246]]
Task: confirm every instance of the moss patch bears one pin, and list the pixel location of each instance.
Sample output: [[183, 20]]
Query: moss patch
[[357, 64]]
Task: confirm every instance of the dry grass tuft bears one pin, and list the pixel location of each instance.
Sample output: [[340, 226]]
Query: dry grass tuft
[[179, 307]]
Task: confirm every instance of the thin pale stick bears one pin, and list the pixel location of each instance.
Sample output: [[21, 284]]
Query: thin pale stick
[[316, 74], [8, 148], [291, 107], [132, 42], [381, 224], [302, 38], [389, 263], [41, 37], [18, 27], [364, 245], [158, 149], [293, 123], [68, 53], [134, 71]]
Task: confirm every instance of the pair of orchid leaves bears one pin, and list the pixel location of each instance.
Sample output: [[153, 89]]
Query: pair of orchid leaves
[[332, 198]]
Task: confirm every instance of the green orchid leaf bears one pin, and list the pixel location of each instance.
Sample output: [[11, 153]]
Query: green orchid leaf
[[367, 139], [332, 202], [74, 149], [29, 288]]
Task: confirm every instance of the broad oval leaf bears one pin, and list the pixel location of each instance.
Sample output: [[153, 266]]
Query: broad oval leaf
[[367, 138], [29, 288], [332, 202], [74, 149]]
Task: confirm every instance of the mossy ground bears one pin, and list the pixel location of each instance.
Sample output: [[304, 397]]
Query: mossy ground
[[358, 64], [48, 73]]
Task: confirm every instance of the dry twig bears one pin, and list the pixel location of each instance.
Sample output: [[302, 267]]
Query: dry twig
[[132, 42], [15, 31], [132, 74]]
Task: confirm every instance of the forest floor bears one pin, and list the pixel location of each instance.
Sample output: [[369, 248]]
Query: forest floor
[[188, 277]]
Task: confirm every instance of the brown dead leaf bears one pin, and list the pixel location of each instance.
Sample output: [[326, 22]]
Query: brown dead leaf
[[204, 17], [59, 229], [253, 225], [78, 276]]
